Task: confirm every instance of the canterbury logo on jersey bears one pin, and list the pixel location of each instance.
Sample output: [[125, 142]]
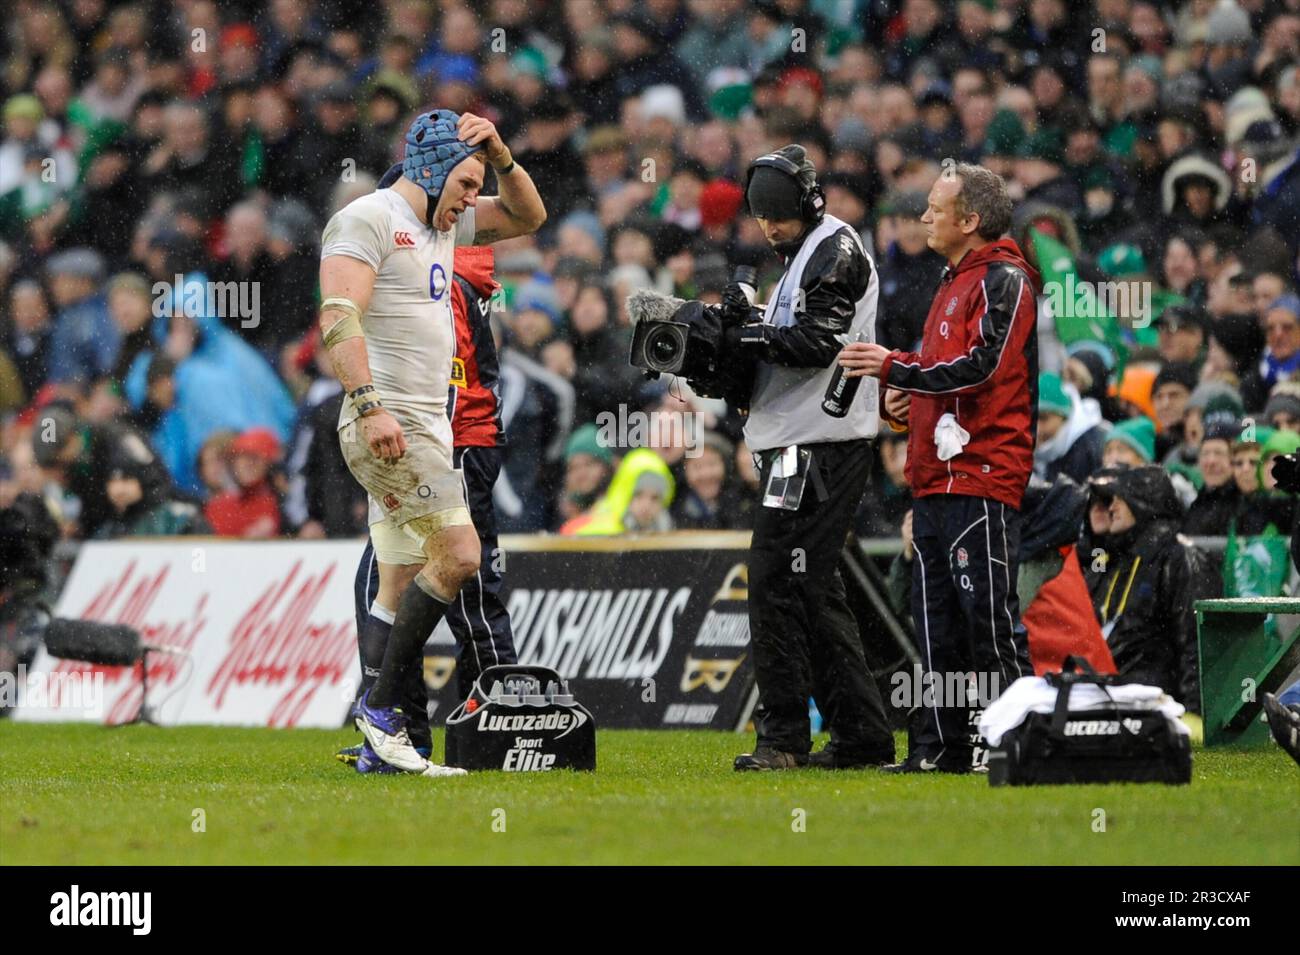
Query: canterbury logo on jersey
[[458, 373], [403, 240]]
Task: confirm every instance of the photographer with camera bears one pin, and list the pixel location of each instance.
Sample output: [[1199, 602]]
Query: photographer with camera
[[27, 537], [812, 440]]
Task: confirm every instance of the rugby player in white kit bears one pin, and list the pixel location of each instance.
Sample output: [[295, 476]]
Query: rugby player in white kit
[[386, 317]]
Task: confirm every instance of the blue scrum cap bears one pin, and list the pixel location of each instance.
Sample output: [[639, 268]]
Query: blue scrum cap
[[433, 150]]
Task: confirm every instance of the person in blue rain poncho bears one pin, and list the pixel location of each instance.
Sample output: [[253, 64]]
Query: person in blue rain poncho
[[220, 382]]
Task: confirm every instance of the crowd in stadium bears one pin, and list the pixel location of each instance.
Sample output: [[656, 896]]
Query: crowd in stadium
[[1153, 150]]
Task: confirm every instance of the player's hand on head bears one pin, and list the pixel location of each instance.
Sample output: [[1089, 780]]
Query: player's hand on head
[[384, 436], [475, 130]]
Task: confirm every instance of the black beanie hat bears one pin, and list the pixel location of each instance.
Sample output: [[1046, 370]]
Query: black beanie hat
[[1176, 372], [773, 194]]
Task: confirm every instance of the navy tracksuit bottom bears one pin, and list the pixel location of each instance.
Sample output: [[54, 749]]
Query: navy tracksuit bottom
[[967, 617], [477, 617]]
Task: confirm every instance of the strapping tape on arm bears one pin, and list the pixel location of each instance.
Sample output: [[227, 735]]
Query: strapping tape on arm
[[349, 326]]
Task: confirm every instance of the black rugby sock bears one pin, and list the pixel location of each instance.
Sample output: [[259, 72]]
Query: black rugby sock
[[418, 612], [371, 643]]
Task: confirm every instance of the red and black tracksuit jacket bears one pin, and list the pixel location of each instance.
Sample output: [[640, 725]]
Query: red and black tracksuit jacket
[[473, 400], [979, 361]]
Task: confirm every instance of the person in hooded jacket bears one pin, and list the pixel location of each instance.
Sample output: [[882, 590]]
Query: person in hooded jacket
[[602, 378], [1051, 586], [144, 506], [1071, 432], [1088, 366], [1151, 576], [636, 501]]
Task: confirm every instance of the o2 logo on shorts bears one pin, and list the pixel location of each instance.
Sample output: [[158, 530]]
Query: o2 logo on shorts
[[437, 281], [424, 491]]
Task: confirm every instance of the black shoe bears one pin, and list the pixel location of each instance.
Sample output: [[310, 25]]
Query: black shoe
[[923, 764], [764, 757], [830, 757], [1284, 722]]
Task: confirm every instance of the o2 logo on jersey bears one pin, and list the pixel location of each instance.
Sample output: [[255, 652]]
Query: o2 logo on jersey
[[437, 281]]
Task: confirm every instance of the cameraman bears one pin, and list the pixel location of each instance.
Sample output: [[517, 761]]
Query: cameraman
[[813, 468]]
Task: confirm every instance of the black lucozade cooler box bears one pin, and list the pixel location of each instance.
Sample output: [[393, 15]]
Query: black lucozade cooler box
[[521, 719]]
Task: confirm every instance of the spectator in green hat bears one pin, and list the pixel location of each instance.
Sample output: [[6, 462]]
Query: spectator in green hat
[[1134, 299], [1103, 216], [1210, 401], [1071, 432], [1002, 141], [588, 466], [1131, 443], [1123, 260], [1040, 170]]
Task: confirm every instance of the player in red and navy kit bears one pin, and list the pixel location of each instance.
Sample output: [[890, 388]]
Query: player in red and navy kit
[[477, 617]]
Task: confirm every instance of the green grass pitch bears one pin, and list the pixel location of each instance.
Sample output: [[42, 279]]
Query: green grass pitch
[[77, 794]]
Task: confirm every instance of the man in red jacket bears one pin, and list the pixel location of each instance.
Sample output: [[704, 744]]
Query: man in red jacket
[[969, 399]]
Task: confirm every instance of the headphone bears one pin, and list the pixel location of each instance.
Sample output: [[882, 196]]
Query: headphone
[[812, 201]]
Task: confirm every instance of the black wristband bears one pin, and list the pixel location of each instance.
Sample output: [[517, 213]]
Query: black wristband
[[510, 168]]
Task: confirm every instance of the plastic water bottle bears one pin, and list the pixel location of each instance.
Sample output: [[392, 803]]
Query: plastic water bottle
[[840, 392]]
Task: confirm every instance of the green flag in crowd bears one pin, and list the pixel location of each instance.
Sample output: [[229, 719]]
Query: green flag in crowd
[[1079, 315]]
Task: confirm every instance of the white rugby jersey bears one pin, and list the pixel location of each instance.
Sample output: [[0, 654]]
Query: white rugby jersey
[[409, 328]]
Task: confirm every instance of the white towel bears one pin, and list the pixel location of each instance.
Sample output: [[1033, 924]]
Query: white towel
[[1033, 694], [950, 437]]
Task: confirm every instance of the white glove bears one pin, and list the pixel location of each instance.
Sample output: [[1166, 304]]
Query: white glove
[[950, 437]]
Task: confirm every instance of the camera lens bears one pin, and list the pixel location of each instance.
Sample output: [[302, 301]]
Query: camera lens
[[663, 349], [665, 346]]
